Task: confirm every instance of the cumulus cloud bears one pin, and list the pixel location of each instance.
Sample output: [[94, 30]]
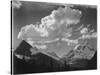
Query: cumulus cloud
[[26, 31], [89, 36], [16, 4], [39, 35], [34, 34], [62, 16], [70, 41], [59, 17], [68, 35], [84, 30], [32, 31]]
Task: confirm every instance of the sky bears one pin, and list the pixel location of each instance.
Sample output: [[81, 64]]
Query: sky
[[28, 13], [25, 13]]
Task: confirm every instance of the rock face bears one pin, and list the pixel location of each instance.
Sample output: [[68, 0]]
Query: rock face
[[77, 59], [23, 49], [40, 62], [84, 51]]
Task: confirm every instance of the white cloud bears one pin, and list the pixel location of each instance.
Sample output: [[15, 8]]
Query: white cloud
[[69, 41], [25, 31], [89, 36], [30, 41], [68, 35], [84, 30], [32, 31], [16, 4], [61, 16], [67, 15], [48, 20]]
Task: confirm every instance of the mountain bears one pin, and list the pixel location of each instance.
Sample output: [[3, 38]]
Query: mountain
[[36, 64], [41, 62], [82, 57], [23, 49]]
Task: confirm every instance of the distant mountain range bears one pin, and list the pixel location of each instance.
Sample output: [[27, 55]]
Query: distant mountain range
[[77, 59]]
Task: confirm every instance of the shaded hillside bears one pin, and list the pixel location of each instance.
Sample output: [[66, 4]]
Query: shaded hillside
[[40, 63]]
